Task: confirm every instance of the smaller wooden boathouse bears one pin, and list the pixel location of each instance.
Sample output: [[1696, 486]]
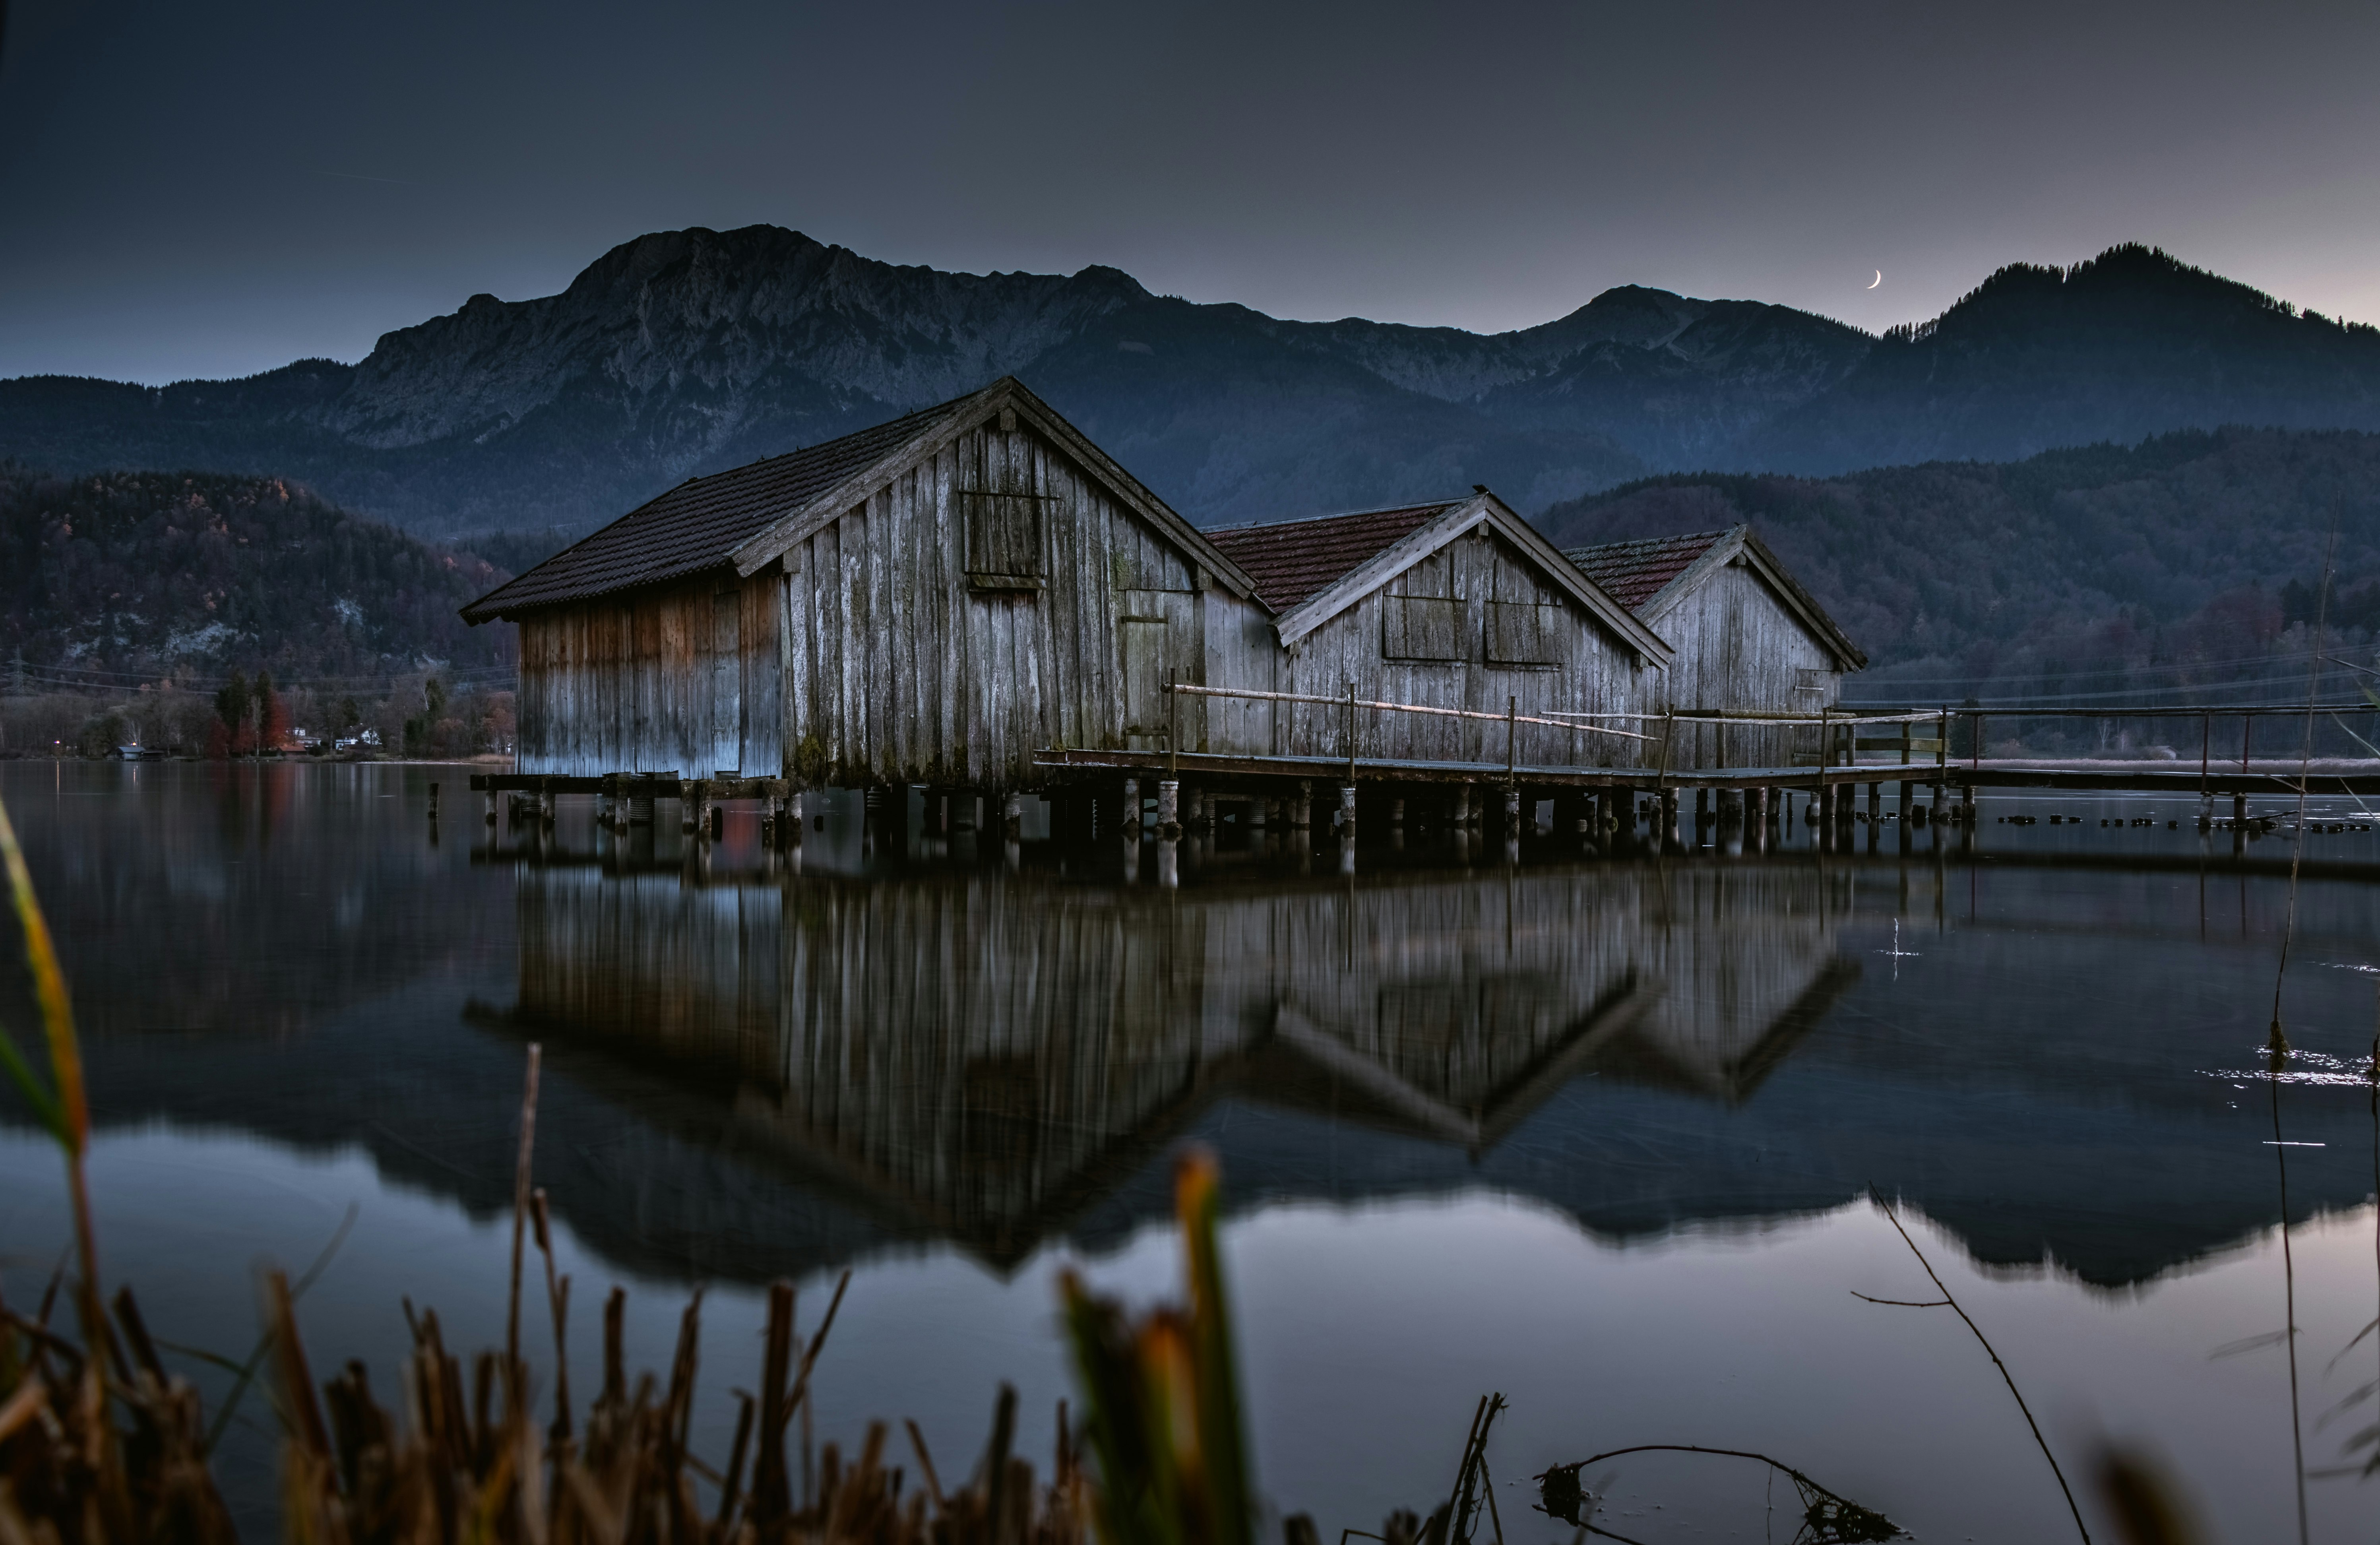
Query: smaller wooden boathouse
[[1455, 603], [1748, 638]]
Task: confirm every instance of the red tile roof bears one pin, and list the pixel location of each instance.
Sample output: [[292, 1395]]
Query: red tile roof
[[1291, 561], [699, 524], [1635, 572]]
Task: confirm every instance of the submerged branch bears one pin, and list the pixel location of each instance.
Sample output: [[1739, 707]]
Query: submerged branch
[[1951, 1302]]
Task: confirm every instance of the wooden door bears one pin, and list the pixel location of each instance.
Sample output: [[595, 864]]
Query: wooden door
[[1154, 645]]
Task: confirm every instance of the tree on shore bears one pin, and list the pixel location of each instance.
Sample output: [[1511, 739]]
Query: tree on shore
[[230, 735]]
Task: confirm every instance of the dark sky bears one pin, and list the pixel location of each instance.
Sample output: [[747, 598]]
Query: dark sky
[[185, 190]]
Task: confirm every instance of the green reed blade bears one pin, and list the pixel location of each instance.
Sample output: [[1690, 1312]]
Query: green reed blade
[[28, 1083], [50, 991]]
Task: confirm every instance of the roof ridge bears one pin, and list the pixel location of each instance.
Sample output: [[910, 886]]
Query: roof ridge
[[1212, 532], [1646, 541]]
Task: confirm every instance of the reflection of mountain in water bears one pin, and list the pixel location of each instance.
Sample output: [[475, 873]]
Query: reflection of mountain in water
[[985, 1057], [763, 1076]]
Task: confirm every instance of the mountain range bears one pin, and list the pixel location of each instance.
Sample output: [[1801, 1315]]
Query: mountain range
[[685, 352]]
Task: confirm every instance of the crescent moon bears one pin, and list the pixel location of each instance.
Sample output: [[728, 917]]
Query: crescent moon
[[1880, 278]]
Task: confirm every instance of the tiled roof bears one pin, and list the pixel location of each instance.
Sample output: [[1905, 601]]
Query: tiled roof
[[1294, 560], [1635, 572], [700, 523]]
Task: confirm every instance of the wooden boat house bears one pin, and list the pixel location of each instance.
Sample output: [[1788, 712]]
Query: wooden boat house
[[930, 601], [975, 596], [1748, 639], [1456, 603]]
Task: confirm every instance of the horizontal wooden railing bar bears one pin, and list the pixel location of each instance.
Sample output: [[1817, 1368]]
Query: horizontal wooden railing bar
[[1749, 716], [2219, 710], [662, 785], [1407, 708]]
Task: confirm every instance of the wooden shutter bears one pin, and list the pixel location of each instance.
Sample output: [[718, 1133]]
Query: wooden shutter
[[1422, 628], [1006, 538], [1524, 633]]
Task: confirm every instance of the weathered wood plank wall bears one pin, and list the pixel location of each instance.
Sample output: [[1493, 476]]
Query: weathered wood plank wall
[[681, 678], [1740, 650], [993, 600], [1471, 626], [989, 602]]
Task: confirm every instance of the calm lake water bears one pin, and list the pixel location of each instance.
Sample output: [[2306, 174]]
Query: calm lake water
[[1600, 1136]]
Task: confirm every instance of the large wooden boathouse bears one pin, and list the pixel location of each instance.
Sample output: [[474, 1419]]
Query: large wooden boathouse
[[930, 601]]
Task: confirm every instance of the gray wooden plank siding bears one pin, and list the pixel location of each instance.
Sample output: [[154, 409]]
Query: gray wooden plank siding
[[925, 644], [678, 678], [1740, 650], [1450, 620], [987, 603]]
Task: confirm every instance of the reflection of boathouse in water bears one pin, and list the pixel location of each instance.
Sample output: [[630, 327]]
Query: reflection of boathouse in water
[[984, 1056]]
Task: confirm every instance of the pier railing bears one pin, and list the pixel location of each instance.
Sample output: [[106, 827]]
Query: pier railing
[[1842, 744], [1837, 729]]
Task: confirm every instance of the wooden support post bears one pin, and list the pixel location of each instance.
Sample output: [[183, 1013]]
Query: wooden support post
[[433, 801], [1012, 818], [1350, 733], [1512, 810], [1463, 815], [1347, 810], [793, 823], [1512, 737], [491, 807], [1301, 817], [1260, 814], [1397, 813], [1132, 820], [1169, 805], [545, 804], [1665, 832], [1941, 755]]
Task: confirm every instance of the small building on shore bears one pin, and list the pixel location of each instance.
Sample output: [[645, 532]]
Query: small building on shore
[[1456, 603], [930, 601], [1748, 638]]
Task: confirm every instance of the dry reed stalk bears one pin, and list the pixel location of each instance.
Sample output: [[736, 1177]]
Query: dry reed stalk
[[474, 1464]]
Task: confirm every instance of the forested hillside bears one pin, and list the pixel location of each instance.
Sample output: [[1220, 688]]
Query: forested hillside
[[2184, 566], [133, 577]]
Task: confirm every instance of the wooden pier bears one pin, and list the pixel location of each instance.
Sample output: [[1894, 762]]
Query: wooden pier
[[1166, 792]]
